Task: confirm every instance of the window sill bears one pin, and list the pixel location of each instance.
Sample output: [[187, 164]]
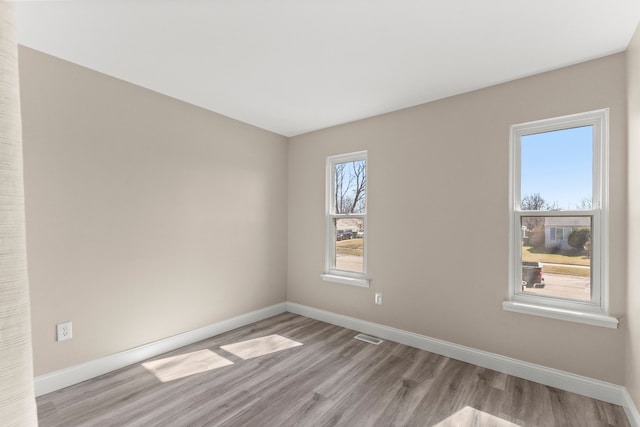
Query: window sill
[[562, 314], [353, 281]]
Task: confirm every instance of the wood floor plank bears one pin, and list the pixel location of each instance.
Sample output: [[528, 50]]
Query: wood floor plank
[[331, 379]]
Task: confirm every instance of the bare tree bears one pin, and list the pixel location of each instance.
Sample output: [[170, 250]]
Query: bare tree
[[342, 187], [534, 224], [533, 202], [586, 204], [350, 187], [360, 177]]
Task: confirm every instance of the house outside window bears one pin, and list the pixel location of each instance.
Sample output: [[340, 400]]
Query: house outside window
[[558, 230], [346, 219], [558, 219]]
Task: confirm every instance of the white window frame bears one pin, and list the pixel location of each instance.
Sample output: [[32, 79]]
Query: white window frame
[[595, 311], [332, 274]]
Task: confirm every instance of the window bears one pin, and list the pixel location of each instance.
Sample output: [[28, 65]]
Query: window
[[346, 215], [558, 204]]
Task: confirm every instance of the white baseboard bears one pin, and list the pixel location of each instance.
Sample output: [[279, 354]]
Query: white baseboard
[[631, 410], [585, 386], [75, 374]]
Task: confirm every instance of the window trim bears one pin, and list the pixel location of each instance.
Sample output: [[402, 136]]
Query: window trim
[[332, 274], [594, 312]]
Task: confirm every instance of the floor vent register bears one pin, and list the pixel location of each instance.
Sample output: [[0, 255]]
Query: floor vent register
[[368, 338]]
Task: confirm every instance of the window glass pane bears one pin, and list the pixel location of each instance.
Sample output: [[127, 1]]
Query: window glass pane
[[349, 244], [557, 169], [350, 187], [556, 256]]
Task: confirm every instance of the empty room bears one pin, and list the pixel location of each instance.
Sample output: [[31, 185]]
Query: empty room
[[298, 213]]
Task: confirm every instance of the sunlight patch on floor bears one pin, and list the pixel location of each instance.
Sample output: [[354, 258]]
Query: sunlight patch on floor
[[470, 417], [260, 346], [184, 365]]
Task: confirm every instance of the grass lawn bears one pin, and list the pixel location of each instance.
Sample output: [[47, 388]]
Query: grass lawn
[[567, 270], [350, 247], [530, 254], [570, 262]]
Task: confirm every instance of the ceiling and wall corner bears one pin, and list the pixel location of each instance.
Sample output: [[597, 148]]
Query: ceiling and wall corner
[[293, 66]]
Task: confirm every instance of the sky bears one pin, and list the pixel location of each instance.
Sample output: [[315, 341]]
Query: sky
[[558, 165]]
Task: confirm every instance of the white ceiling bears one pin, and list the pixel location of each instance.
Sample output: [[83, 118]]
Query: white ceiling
[[293, 66]]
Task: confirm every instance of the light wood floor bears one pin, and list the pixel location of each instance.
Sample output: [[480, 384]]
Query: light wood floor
[[317, 375]]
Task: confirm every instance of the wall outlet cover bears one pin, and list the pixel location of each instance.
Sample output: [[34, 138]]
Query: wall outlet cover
[[64, 331]]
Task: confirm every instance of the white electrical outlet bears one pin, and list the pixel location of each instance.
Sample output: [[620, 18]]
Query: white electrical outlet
[[378, 299], [64, 331]]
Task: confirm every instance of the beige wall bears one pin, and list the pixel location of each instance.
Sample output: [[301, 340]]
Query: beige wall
[[146, 216], [438, 219], [633, 294]]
